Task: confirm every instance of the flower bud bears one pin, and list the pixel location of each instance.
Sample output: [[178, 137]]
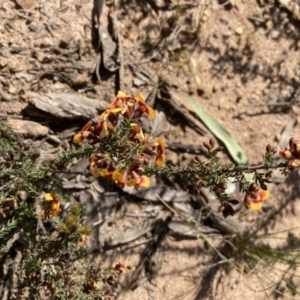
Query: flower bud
[[247, 200], [253, 195], [197, 159], [219, 149], [294, 146], [253, 187], [271, 150], [150, 151], [100, 155], [134, 175], [292, 141], [113, 119], [221, 208], [207, 146], [222, 184], [286, 153], [102, 163], [212, 142], [137, 114], [263, 186], [294, 163], [126, 114], [140, 170]]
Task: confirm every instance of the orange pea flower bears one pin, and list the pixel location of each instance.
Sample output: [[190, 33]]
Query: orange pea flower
[[145, 108], [136, 131], [51, 206], [120, 176], [292, 155], [255, 203], [123, 101], [142, 182], [78, 138], [160, 158], [111, 111], [83, 241]]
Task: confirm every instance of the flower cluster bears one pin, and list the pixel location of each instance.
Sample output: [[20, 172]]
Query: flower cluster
[[292, 155], [51, 206], [117, 270], [132, 150], [256, 196]]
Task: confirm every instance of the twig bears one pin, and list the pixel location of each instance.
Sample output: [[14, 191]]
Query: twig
[[10, 242], [100, 222], [136, 245], [120, 50], [9, 285]]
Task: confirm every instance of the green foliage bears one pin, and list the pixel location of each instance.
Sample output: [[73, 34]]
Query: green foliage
[[30, 222]]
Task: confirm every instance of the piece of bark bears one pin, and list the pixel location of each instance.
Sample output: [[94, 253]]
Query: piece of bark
[[293, 6], [64, 106], [28, 129]]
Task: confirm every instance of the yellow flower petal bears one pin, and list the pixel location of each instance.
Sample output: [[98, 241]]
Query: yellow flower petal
[[263, 195], [160, 160], [119, 175], [121, 94], [140, 97], [78, 138], [104, 115], [103, 172], [256, 205], [144, 182], [151, 112], [48, 197], [132, 182], [103, 132]]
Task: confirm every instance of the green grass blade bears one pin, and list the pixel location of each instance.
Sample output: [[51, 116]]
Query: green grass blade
[[221, 133]]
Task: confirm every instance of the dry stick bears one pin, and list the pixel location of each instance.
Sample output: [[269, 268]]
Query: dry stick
[[136, 245], [10, 242], [11, 116], [9, 285], [120, 50], [200, 234]]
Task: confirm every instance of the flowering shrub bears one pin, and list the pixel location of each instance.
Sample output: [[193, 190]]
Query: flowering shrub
[[128, 162], [132, 151], [32, 201]]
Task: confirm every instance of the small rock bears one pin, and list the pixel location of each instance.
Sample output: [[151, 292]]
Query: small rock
[[275, 34], [6, 97], [46, 42], [26, 76], [81, 80], [25, 4], [14, 66], [5, 53], [3, 62], [137, 82], [66, 40], [28, 129], [239, 31], [65, 105], [269, 24], [233, 45], [12, 90]]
